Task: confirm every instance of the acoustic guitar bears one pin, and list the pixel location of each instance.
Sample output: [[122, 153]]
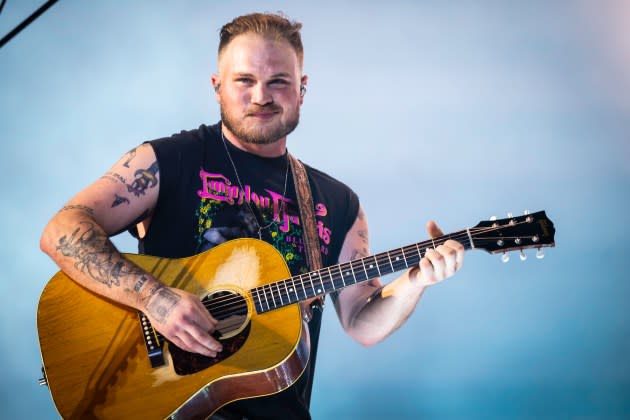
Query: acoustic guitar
[[102, 360]]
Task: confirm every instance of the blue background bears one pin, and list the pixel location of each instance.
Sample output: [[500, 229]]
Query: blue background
[[428, 110]]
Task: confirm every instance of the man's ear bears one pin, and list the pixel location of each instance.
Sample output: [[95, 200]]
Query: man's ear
[[216, 85], [303, 83]]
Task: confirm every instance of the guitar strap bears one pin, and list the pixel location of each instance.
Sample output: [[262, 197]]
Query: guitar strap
[[310, 236]]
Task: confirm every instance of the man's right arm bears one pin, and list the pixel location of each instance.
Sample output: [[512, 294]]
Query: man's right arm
[[77, 239]]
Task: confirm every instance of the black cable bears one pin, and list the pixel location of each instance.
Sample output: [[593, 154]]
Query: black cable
[[2, 5], [26, 21]]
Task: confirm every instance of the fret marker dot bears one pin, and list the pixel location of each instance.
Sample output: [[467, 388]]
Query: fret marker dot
[[319, 290], [397, 258], [371, 266]]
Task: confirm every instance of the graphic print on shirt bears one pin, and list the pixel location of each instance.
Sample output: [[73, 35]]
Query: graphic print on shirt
[[224, 214]]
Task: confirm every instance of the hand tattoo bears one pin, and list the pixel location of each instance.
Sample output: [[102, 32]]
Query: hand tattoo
[[161, 302]]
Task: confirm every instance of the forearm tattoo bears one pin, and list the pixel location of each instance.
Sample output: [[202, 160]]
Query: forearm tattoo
[[162, 300], [95, 256]]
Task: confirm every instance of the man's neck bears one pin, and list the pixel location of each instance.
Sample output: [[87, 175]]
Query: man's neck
[[275, 149]]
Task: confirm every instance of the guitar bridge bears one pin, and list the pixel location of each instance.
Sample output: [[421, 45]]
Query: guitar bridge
[[153, 342]]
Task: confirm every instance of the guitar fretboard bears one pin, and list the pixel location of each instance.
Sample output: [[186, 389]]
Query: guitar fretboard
[[329, 279]]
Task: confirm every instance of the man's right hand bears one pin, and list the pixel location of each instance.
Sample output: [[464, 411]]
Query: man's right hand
[[182, 319]]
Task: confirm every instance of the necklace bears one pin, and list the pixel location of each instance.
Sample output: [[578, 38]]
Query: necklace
[[240, 184]]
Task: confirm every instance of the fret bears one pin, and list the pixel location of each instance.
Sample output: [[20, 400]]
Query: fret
[[286, 289], [367, 276], [266, 300], [358, 277], [412, 259], [354, 276], [318, 291], [343, 283], [259, 308], [390, 261], [272, 295], [279, 294], [294, 289], [382, 264], [370, 270], [303, 287]]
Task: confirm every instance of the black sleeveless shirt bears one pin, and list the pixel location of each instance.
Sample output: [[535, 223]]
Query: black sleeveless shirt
[[201, 204]]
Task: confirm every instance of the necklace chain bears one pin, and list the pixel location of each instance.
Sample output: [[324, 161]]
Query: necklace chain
[[240, 184]]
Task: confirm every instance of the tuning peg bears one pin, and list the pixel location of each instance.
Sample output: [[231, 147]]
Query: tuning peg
[[523, 256], [509, 215], [526, 212], [505, 257], [493, 218], [540, 254]]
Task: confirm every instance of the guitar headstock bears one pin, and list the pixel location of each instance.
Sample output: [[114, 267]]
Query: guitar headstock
[[514, 233]]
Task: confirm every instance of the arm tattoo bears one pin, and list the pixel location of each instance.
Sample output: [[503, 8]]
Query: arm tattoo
[[113, 176], [80, 207], [95, 256], [119, 200], [161, 302], [130, 155], [144, 179], [139, 283], [363, 234], [359, 253]]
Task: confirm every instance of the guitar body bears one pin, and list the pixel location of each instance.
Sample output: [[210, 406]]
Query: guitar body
[[95, 354]]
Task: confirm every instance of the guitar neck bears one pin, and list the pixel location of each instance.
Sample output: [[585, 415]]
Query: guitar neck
[[513, 233], [335, 277]]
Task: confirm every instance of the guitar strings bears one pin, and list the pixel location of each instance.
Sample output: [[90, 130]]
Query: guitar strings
[[329, 279], [266, 294], [224, 307]]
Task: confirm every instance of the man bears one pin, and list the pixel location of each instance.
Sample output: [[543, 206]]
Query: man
[[202, 187]]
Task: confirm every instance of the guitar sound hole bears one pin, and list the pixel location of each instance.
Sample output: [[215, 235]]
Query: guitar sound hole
[[230, 309]]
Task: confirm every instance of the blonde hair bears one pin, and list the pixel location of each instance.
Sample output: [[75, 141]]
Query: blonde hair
[[268, 25]]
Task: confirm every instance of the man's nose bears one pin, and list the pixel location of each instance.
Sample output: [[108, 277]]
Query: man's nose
[[261, 95]]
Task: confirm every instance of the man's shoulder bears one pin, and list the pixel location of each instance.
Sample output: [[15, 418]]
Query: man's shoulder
[[194, 137], [327, 182]]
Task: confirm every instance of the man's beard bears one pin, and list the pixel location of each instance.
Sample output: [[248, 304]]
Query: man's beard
[[266, 135]]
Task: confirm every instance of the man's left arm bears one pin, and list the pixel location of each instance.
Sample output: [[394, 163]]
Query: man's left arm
[[368, 311]]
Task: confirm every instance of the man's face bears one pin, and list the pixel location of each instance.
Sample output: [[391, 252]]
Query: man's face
[[259, 89]]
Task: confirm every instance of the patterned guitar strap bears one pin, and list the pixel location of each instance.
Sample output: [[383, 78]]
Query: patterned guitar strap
[[310, 237]]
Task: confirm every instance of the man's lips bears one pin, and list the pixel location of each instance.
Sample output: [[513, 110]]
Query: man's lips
[[263, 113]]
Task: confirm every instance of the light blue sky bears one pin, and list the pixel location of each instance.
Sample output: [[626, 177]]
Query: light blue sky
[[428, 110]]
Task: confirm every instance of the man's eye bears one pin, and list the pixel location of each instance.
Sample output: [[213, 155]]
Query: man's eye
[[279, 82], [244, 80]]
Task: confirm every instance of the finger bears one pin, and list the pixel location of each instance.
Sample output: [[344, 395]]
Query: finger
[[433, 229], [437, 263], [450, 259], [459, 252], [426, 272], [194, 345], [204, 318], [186, 345], [202, 337]]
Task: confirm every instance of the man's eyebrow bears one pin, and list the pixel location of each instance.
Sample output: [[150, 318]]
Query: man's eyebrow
[[243, 74], [273, 76]]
